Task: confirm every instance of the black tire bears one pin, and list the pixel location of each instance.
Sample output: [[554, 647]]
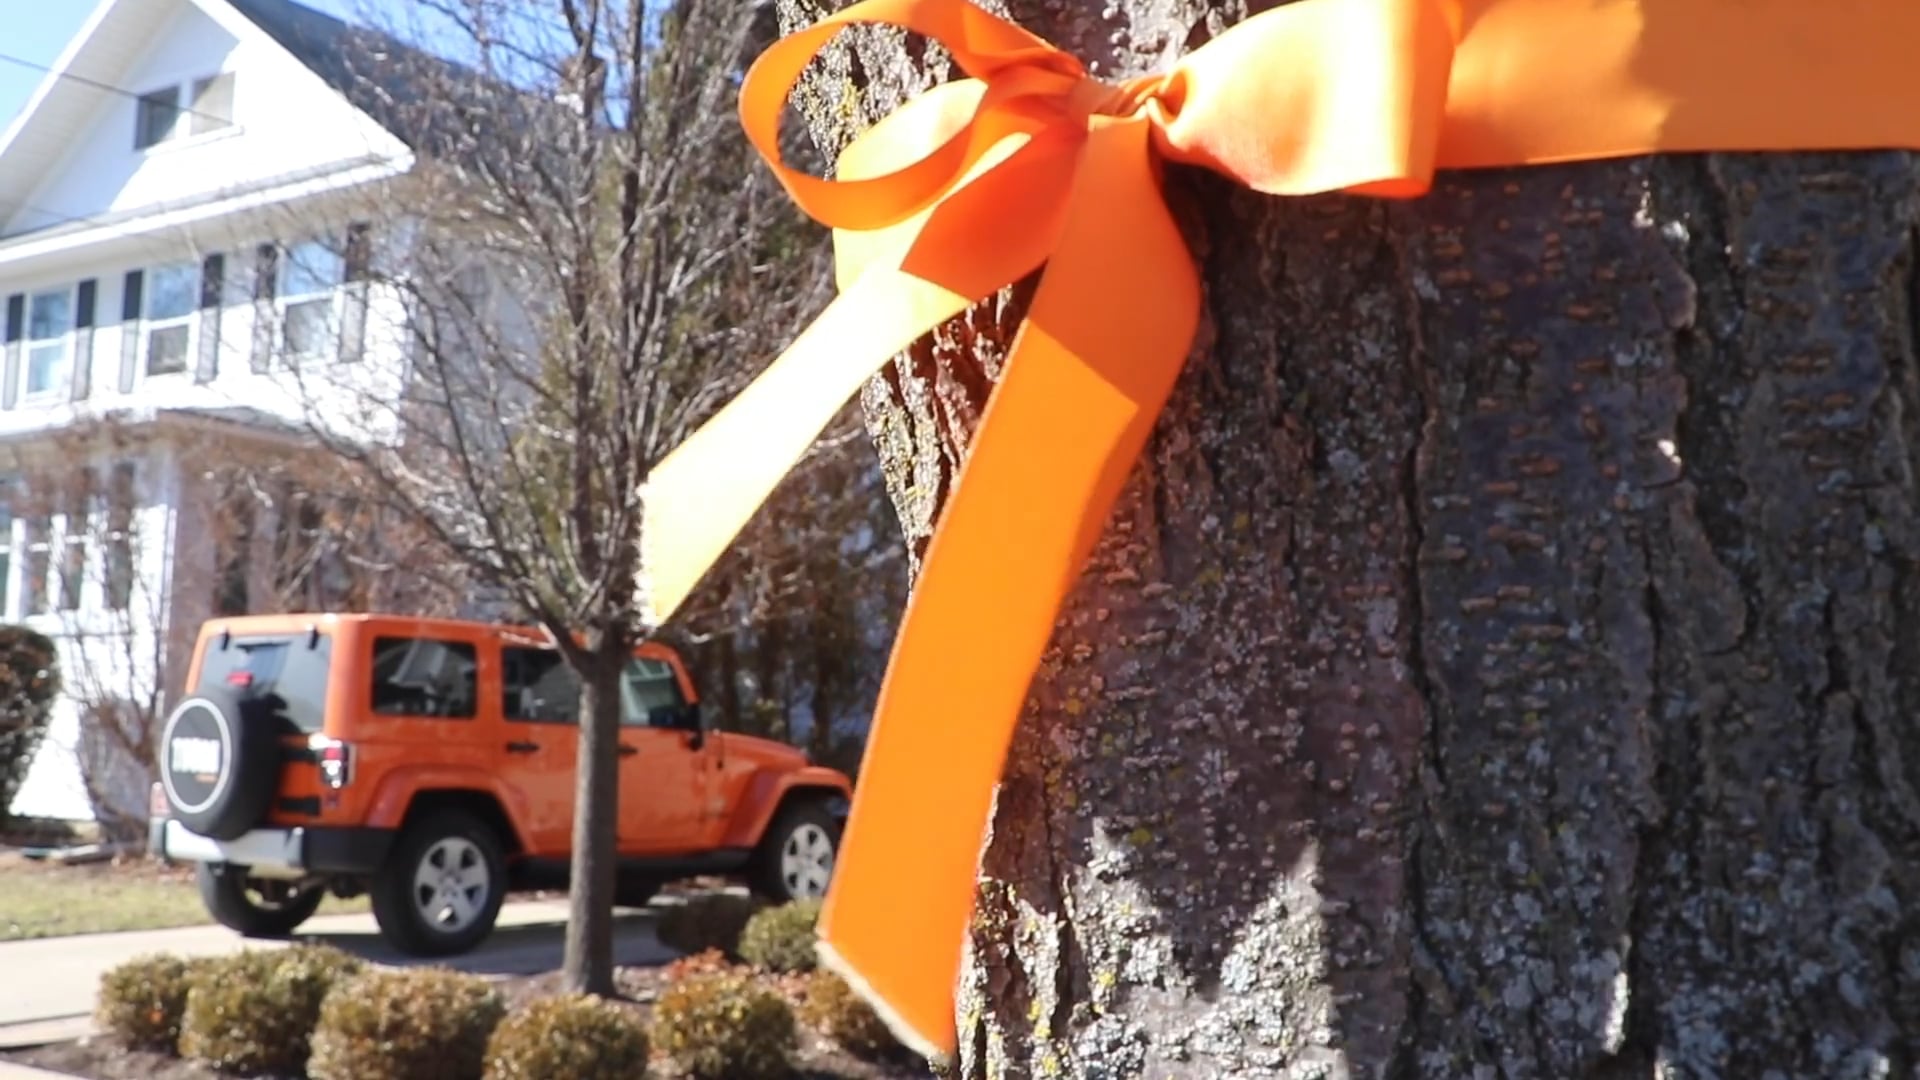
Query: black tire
[[227, 802], [223, 889], [455, 841], [767, 876]]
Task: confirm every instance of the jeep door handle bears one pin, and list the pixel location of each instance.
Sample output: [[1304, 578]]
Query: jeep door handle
[[628, 751], [522, 747]]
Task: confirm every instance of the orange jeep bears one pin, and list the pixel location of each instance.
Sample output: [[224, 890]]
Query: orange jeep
[[430, 764]]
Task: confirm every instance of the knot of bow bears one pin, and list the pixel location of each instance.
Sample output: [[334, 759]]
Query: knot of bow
[[1028, 162]]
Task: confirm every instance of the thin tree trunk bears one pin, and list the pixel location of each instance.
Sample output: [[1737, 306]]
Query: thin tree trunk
[[588, 959], [1516, 609]]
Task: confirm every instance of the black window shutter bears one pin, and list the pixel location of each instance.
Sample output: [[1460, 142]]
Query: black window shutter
[[16, 317], [266, 283], [130, 295], [88, 294], [266, 272], [213, 273], [359, 253]]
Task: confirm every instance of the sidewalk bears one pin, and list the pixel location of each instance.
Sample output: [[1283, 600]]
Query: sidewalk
[[55, 1000]]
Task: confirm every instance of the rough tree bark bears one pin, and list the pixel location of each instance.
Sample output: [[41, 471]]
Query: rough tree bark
[[1516, 615]]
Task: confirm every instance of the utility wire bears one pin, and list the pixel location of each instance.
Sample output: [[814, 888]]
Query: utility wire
[[109, 87]]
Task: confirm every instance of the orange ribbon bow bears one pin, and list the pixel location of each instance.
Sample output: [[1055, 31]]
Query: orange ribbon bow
[[976, 183]]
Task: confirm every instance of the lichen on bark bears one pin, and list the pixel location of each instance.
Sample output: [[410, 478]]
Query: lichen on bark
[[1502, 662]]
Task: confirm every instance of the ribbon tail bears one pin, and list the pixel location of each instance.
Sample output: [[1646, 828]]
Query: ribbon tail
[[1106, 337], [700, 496]]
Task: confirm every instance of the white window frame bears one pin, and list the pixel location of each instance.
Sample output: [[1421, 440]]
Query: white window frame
[[63, 373], [330, 296], [194, 118], [149, 323]]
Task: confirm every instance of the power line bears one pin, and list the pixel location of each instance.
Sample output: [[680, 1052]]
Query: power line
[[109, 87]]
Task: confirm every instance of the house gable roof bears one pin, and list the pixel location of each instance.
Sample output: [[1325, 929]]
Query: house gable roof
[[372, 72]]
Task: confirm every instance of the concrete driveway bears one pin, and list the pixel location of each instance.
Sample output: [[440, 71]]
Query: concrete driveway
[[48, 990]]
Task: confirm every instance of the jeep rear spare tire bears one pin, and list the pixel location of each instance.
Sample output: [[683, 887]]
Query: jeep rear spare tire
[[440, 889], [218, 771]]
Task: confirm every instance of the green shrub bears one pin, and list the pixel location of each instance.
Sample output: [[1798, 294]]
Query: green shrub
[[254, 1011], [714, 921], [725, 1026], [781, 938], [576, 1036], [29, 679], [415, 1024], [834, 1010], [141, 1001]]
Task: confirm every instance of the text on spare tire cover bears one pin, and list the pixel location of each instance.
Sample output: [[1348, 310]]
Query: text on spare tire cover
[[196, 753]]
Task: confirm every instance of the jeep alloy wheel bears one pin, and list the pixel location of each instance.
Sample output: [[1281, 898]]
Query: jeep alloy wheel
[[451, 884], [795, 859], [806, 862], [440, 889]]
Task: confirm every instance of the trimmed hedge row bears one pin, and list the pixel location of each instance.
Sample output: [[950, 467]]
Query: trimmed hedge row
[[314, 1011]]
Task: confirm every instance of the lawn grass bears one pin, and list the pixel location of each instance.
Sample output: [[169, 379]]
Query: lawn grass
[[41, 901]]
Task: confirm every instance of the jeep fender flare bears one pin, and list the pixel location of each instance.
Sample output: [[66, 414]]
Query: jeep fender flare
[[398, 789], [769, 789]]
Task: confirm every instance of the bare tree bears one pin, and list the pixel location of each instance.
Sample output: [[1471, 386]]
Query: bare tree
[[579, 270], [257, 530]]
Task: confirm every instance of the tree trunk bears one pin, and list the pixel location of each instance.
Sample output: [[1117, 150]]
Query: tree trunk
[[1515, 609], [587, 963]]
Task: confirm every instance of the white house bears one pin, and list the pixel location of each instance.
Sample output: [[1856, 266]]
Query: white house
[[184, 274]]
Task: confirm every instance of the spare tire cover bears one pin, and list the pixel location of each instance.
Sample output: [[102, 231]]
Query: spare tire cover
[[219, 772]]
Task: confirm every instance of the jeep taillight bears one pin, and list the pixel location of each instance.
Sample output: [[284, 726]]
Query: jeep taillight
[[336, 764], [157, 801]]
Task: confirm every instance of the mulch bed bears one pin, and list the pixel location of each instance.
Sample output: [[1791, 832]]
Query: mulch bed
[[101, 1058]]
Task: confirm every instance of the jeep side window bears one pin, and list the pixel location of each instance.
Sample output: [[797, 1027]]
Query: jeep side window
[[650, 696], [424, 677], [536, 685]]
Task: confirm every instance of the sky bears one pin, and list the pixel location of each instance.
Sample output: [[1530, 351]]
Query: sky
[[38, 31]]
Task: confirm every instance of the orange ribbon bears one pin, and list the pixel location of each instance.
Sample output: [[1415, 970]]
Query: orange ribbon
[[976, 183]]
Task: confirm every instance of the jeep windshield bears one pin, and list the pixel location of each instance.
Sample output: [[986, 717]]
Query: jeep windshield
[[282, 677]]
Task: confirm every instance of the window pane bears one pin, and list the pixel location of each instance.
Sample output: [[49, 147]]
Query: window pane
[[156, 116], [421, 677], [646, 686], [46, 364], [213, 103], [310, 269], [538, 685], [283, 677], [172, 291], [309, 330], [50, 316], [167, 349]]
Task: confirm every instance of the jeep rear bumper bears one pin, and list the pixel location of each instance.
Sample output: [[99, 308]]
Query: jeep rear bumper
[[300, 851]]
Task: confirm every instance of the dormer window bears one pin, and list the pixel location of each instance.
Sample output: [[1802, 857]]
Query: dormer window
[[176, 112]]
